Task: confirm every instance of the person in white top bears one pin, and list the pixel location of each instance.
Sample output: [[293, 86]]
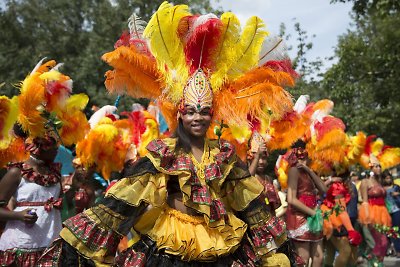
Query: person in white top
[[31, 192]]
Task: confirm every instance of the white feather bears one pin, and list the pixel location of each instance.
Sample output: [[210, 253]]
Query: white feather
[[273, 48], [136, 26], [278, 162], [58, 66], [203, 19], [199, 21], [318, 115], [38, 65], [301, 103], [101, 113]]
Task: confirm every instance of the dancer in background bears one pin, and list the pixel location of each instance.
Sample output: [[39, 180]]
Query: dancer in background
[[393, 204], [32, 188], [373, 212], [338, 228], [304, 186]]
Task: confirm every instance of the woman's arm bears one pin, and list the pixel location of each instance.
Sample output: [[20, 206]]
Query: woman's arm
[[364, 190], [293, 177], [253, 166], [8, 186], [317, 180]]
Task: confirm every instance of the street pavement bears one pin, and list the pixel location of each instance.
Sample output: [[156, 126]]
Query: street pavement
[[389, 262]]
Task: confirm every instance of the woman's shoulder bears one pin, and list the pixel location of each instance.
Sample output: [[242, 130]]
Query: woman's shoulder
[[162, 145], [12, 176]]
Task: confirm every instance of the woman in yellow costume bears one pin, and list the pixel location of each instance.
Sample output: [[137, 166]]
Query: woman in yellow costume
[[192, 200]]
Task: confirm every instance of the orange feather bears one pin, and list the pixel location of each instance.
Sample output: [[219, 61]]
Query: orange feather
[[134, 74]]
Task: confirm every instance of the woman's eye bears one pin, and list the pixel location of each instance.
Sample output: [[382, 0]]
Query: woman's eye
[[190, 113]]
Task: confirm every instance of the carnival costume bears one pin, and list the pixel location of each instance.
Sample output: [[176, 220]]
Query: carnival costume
[[296, 221], [48, 114], [206, 63]]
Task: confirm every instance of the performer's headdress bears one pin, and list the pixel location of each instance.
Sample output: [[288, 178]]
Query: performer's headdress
[[45, 110], [182, 59], [375, 152]]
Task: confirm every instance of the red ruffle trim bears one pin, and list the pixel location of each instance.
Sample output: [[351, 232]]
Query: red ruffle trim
[[20, 257], [89, 233], [32, 176]]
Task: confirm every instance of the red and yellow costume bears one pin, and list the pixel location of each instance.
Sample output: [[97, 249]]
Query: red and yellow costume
[[183, 60], [296, 221]]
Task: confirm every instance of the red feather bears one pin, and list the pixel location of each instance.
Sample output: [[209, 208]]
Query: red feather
[[282, 65], [56, 92], [123, 40], [368, 147], [328, 124], [138, 124], [201, 44], [254, 122]]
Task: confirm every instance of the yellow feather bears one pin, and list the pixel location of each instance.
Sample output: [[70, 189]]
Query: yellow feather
[[74, 122], [390, 158], [77, 101], [167, 48], [52, 75], [377, 146], [247, 50], [31, 97], [240, 133], [8, 116], [356, 147], [230, 36]]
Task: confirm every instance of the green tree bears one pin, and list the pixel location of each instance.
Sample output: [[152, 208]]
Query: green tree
[[309, 82], [76, 32], [364, 83]]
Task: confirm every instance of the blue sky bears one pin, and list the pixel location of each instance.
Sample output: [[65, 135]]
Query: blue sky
[[327, 21]]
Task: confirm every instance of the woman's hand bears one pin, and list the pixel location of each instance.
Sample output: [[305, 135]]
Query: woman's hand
[[24, 216], [302, 166], [262, 149]]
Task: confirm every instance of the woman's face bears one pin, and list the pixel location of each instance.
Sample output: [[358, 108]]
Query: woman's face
[[388, 180], [376, 168], [262, 163], [195, 122]]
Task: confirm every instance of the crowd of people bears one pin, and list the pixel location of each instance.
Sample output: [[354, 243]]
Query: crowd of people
[[201, 193]]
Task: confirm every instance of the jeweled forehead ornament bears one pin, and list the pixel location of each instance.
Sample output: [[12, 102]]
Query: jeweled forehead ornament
[[197, 92]]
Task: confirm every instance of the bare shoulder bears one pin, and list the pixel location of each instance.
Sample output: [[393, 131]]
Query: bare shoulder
[[13, 176], [365, 183], [293, 172]]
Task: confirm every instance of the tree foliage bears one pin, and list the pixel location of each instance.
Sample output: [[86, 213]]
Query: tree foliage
[[76, 32], [364, 83]]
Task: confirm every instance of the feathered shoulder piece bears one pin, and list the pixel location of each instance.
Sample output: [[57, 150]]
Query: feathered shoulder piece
[[247, 69]]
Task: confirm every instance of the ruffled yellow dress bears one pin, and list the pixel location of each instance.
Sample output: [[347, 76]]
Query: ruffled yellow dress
[[218, 188]]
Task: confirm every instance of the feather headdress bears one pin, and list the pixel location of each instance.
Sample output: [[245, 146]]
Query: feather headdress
[[179, 44], [45, 105], [109, 143], [375, 151], [8, 116]]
